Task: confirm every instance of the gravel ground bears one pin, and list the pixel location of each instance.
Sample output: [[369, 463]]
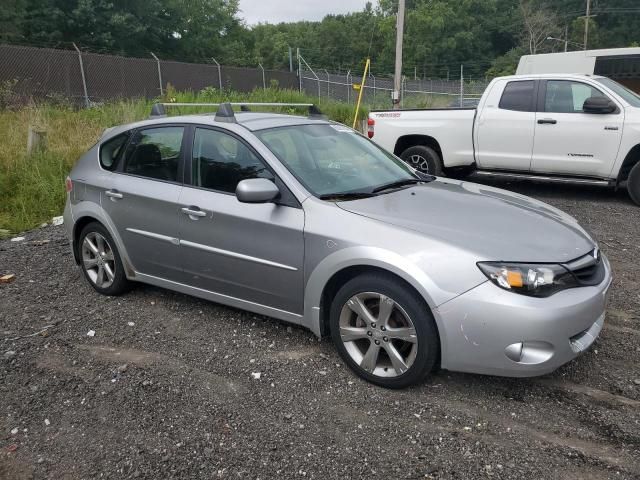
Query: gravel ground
[[165, 388]]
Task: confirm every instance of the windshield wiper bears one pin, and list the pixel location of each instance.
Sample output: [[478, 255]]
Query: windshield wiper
[[397, 184], [346, 195]]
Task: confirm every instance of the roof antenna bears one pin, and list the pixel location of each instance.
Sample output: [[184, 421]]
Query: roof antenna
[[225, 113]]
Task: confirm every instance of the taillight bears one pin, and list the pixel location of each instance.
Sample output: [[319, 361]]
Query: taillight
[[371, 123], [68, 184]]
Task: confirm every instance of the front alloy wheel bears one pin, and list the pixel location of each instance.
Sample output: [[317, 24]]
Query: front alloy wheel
[[384, 331], [378, 334]]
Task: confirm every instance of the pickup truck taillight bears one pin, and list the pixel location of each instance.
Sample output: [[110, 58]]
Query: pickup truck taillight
[[371, 123], [68, 185]]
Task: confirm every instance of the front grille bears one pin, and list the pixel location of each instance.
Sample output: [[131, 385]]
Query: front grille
[[589, 269]]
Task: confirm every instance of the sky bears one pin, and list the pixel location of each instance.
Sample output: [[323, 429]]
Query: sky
[[275, 11]]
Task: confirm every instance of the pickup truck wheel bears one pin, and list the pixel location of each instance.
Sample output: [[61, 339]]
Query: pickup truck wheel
[[633, 184], [423, 159]]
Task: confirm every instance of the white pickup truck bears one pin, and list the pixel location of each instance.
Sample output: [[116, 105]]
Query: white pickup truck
[[554, 127]]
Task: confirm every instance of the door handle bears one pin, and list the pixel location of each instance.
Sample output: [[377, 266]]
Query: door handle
[[549, 121], [113, 194], [193, 212]]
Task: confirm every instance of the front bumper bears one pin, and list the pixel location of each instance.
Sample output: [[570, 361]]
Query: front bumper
[[492, 331]]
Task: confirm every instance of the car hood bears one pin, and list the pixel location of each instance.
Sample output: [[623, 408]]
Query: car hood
[[493, 223]]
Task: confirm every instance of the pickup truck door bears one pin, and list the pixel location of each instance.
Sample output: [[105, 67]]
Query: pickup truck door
[[569, 141], [506, 126]]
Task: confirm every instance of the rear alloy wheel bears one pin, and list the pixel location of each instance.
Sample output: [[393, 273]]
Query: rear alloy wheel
[[382, 331], [633, 184], [424, 159], [101, 262]]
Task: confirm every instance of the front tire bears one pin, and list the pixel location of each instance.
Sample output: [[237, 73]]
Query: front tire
[[384, 331], [633, 184], [424, 159], [100, 261]]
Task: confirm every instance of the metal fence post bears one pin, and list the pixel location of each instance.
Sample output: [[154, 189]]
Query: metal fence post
[[374, 87], [300, 59], [461, 86], [299, 68], [219, 72], [84, 80], [328, 81], [290, 60], [264, 83], [159, 73], [349, 86]]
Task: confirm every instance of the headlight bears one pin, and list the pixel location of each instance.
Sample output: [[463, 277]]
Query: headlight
[[536, 280]]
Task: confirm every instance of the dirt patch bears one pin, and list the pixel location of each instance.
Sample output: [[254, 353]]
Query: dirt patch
[[169, 387]]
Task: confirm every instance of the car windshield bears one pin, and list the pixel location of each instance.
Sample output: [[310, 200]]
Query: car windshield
[[333, 160], [629, 96]]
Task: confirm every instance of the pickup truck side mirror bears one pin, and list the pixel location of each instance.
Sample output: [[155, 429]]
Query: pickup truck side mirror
[[601, 105], [256, 190]]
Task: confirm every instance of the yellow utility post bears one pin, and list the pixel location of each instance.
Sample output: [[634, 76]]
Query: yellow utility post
[[360, 87]]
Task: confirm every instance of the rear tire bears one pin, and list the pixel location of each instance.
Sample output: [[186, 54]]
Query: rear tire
[[100, 261], [633, 184], [394, 341], [424, 159]]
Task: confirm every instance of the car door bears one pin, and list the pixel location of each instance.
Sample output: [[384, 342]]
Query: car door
[[252, 252], [570, 141], [506, 126], [142, 199]]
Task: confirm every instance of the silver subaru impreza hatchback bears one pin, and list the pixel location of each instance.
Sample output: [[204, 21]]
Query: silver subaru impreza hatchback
[[305, 220]]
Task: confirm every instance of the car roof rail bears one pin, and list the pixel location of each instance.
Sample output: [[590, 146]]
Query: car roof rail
[[225, 110]]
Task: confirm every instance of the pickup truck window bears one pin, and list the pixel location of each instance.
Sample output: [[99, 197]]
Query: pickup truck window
[[564, 96], [629, 96], [518, 96]]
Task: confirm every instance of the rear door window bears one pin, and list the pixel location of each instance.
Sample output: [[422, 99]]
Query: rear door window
[[518, 96], [155, 153]]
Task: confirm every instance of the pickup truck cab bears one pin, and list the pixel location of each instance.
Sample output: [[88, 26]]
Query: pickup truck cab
[[555, 127]]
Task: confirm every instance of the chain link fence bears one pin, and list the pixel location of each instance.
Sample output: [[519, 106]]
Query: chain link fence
[[85, 78], [415, 93]]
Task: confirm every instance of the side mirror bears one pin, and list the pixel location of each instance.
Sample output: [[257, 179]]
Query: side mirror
[[256, 190], [600, 105]]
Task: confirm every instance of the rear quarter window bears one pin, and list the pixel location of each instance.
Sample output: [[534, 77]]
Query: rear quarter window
[[111, 151]]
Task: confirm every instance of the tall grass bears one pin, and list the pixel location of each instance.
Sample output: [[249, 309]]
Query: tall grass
[[32, 187]]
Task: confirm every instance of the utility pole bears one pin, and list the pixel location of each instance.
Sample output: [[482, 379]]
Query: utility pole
[[290, 59], [587, 17], [397, 78], [566, 37]]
